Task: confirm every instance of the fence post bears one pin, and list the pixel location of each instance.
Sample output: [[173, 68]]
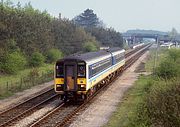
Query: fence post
[[21, 83], [7, 86], [42, 77], [12, 86]]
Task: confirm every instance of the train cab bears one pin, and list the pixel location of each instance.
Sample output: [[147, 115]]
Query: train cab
[[70, 77]]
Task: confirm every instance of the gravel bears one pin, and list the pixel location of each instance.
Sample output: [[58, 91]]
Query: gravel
[[37, 115]]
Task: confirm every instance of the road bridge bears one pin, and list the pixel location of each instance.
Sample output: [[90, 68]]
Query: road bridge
[[133, 38]]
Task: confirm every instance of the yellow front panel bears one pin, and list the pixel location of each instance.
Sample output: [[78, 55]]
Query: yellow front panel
[[81, 81], [59, 81]]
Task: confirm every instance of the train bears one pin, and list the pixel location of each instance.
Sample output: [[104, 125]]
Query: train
[[137, 45], [78, 76]]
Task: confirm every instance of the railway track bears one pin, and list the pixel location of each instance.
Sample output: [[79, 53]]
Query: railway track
[[127, 54], [56, 116], [21, 110], [64, 113]]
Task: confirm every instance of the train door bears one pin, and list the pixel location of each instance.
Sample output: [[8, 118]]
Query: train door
[[70, 77]]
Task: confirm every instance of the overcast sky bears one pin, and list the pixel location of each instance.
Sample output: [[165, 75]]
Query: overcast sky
[[122, 15]]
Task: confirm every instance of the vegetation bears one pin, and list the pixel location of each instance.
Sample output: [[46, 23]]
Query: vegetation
[[170, 67], [31, 39], [24, 79], [89, 47], [37, 59], [27, 30], [87, 19], [128, 109], [13, 62], [155, 99], [53, 55], [105, 36]]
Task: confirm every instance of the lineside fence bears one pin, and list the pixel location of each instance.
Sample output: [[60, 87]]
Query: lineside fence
[[10, 87]]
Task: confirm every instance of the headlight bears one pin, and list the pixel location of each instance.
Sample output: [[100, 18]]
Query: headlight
[[58, 85], [82, 85]]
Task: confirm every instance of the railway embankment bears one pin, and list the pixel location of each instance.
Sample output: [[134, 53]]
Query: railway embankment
[[154, 100]]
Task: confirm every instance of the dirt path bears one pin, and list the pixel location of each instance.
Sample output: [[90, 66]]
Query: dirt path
[[99, 112], [22, 96]]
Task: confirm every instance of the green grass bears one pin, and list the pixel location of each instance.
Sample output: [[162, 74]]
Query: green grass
[[16, 77], [127, 109], [10, 84]]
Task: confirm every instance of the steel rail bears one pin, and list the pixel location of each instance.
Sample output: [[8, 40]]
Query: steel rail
[[29, 111], [14, 111]]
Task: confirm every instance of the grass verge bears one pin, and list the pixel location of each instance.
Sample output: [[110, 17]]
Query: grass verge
[[10, 84], [128, 108], [16, 77]]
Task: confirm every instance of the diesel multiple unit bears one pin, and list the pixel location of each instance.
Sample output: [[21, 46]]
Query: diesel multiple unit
[[79, 76]]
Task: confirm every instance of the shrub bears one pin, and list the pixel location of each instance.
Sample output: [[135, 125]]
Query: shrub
[[37, 59], [170, 67], [163, 104], [13, 62], [89, 47], [174, 54], [53, 55], [167, 69], [33, 73]]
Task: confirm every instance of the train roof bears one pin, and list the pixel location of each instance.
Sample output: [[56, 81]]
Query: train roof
[[115, 49], [91, 55], [88, 56]]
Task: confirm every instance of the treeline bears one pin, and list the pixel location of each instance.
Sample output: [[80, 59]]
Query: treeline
[[107, 36], [92, 24], [30, 37]]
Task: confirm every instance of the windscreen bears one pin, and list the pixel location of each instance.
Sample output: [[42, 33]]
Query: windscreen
[[59, 70]]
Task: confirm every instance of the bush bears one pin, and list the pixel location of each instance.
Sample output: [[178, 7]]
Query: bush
[[34, 73], [37, 59], [174, 54], [163, 104], [167, 69], [13, 62], [160, 107], [53, 55], [89, 47]]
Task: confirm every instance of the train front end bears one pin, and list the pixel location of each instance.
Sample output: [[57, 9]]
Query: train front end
[[70, 79]]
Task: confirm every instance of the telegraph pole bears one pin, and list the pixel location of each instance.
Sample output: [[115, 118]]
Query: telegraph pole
[[156, 56]]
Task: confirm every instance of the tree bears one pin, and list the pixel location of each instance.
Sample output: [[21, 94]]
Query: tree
[[107, 37], [87, 19], [13, 62], [173, 34], [89, 47], [53, 55], [37, 59]]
